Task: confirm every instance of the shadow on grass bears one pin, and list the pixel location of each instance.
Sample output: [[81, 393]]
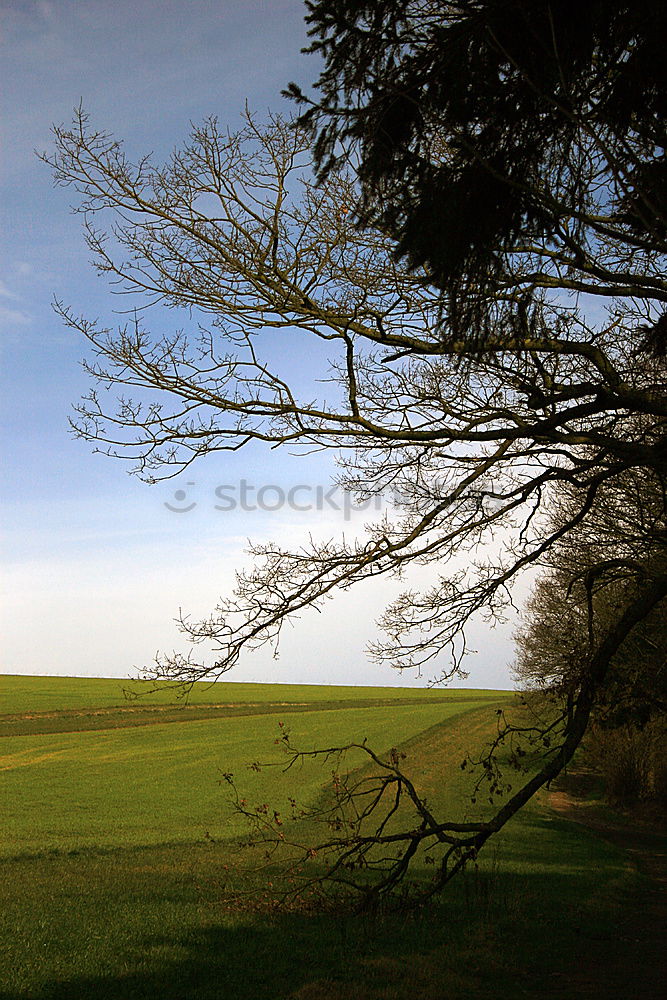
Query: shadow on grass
[[498, 932], [309, 956], [217, 962], [495, 938]]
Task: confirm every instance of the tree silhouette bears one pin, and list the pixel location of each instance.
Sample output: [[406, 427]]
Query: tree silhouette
[[477, 437]]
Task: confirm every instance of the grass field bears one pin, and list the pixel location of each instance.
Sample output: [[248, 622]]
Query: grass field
[[119, 852], [28, 694]]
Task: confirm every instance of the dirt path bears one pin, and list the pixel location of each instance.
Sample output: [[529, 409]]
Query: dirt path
[[633, 966]]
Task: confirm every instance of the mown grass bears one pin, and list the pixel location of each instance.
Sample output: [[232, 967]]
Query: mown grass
[[161, 783], [109, 887]]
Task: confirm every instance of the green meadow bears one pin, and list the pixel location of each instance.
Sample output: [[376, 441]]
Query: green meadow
[[121, 874]]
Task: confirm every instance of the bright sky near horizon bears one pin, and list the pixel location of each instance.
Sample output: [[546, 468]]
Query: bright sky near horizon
[[95, 563]]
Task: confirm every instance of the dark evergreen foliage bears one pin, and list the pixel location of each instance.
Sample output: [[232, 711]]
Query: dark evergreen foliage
[[482, 126]]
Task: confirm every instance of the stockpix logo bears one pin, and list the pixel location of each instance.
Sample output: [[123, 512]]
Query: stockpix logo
[[270, 498]]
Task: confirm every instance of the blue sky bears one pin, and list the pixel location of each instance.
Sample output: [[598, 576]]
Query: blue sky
[[95, 563]]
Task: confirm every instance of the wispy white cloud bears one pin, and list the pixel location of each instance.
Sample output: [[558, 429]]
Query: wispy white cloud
[[14, 317]]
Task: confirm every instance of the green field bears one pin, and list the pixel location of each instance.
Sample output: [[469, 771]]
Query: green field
[[119, 855], [28, 694]]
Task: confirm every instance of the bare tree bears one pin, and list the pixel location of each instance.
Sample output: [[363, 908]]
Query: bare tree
[[477, 441]]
